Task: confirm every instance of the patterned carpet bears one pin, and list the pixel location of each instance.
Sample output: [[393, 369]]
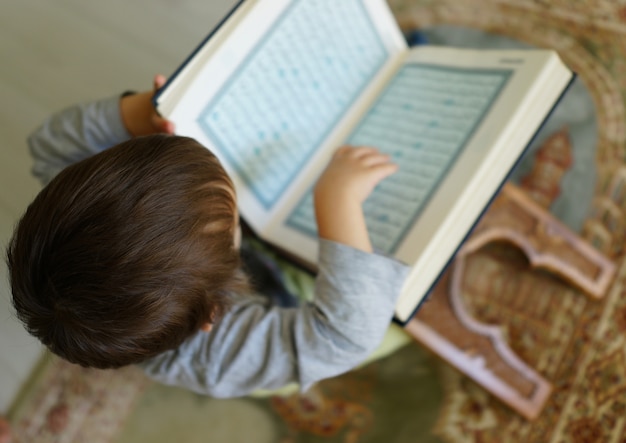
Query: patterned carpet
[[576, 343]]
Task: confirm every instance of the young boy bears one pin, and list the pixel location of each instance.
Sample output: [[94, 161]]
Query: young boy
[[129, 255]]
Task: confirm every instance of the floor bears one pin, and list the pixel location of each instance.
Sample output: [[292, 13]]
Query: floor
[[59, 53]]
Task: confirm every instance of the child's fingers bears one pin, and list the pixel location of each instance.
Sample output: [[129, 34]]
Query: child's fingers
[[375, 158], [383, 170], [362, 156], [343, 151], [158, 82], [361, 152], [168, 127], [158, 122], [369, 156], [379, 172], [162, 125], [354, 151]]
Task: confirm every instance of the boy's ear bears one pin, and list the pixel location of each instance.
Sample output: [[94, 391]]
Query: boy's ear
[[206, 327]]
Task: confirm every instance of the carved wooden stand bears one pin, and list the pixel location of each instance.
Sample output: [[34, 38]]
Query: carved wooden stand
[[479, 351]]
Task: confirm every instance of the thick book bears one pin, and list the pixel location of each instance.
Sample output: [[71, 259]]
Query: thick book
[[280, 84]]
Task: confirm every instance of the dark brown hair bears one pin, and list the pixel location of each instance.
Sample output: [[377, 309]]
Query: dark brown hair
[[128, 253]]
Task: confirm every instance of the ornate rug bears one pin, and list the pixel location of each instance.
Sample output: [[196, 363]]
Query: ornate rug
[[576, 343]]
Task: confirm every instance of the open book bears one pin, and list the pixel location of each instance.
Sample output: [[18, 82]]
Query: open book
[[280, 84]]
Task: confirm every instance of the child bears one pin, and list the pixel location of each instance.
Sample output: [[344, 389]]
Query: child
[[129, 256]]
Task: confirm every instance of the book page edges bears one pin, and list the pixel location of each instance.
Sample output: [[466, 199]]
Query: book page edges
[[492, 173]]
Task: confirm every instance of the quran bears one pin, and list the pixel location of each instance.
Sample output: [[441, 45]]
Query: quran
[[280, 84]]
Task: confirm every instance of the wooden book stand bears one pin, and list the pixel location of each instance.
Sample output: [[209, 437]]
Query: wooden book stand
[[478, 350]]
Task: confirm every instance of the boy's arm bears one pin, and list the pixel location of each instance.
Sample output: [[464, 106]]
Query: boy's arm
[[259, 346], [83, 130]]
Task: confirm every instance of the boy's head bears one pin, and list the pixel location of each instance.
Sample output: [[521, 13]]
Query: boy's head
[[128, 253]]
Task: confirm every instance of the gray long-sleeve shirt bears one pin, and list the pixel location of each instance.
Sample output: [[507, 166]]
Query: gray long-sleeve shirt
[[255, 345]]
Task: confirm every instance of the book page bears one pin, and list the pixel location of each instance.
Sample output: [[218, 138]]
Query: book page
[[284, 99], [423, 120]]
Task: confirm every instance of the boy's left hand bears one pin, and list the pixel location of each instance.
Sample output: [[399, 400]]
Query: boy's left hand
[[140, 117], [352, 174]]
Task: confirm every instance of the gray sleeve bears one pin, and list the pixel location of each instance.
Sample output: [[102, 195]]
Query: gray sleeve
[[257, 346], [74, 134]]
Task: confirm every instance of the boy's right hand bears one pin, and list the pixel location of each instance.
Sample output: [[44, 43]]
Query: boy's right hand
[[349, 178], [140, 117]]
